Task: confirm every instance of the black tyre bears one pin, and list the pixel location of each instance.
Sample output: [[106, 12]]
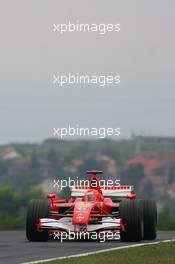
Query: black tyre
[[38, 208], [150, 219], [132, 216]]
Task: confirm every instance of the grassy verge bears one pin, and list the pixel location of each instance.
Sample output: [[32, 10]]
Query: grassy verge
[[148, 254]]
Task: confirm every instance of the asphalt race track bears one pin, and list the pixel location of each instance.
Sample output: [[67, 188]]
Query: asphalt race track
[[14, 248]]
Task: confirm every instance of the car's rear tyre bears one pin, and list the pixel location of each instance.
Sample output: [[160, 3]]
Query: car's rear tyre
[[150, 219], [132, 216], [38, 208]]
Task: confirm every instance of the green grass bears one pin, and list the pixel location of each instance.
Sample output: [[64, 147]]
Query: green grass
[[149, 254]]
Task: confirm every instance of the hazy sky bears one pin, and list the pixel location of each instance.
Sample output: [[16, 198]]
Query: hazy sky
[[143, 53]]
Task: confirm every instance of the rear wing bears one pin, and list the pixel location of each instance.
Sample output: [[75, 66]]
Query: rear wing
[[113, 191]]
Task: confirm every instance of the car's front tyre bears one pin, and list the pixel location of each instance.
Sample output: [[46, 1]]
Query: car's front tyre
[[38, 208]]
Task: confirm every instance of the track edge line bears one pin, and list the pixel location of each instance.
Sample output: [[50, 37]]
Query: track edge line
[[98, 252]]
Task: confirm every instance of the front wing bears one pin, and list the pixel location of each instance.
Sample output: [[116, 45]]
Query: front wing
[[65, 224]]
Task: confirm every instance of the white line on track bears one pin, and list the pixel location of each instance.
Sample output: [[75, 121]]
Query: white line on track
[[98, 251]]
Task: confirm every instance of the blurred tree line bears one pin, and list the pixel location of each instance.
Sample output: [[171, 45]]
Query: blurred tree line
[[13, 206]]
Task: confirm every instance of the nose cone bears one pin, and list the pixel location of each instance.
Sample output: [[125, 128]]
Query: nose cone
[[81, 213]]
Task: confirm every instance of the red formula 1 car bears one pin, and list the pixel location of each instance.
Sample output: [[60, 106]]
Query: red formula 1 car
[[92, 208]]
